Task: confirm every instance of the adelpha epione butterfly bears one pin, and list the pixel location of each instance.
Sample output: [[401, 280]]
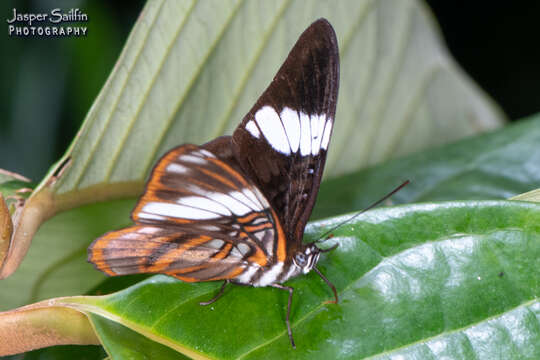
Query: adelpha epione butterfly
[[235, 209]]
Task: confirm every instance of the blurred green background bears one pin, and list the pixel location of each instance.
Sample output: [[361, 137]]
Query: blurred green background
[[48, 84]]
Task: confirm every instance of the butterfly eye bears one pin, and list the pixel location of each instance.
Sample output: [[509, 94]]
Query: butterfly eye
[[300, 259]]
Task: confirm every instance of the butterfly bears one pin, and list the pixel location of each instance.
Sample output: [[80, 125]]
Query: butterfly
[[235, 208]]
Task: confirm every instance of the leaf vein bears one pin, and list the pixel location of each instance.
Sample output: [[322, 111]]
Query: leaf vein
[[101, 134], [192, 83], [141, 104]]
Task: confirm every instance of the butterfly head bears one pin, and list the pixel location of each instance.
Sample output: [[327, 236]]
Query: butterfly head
[[307, 258]]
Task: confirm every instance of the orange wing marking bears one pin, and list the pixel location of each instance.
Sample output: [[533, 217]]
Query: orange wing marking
[[231, 171], [281, 239], [160, 265]]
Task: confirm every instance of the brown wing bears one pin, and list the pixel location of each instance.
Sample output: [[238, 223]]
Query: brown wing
[[282, 142], [199, 219]]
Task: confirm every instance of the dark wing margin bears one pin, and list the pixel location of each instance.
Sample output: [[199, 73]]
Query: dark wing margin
[[281, 143]]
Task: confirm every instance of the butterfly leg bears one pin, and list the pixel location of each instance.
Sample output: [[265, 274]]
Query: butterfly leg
[[329, 284], [218, 295], [290, 290]]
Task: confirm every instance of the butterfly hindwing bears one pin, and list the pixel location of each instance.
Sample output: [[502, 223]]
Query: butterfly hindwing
[[282, 142], [199, 219], [152, 249]]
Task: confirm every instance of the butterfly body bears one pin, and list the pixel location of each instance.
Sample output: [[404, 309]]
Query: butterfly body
[[235, 209], [279, 272]]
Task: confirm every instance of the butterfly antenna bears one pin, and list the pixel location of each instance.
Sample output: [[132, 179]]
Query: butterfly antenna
[[376, 203]]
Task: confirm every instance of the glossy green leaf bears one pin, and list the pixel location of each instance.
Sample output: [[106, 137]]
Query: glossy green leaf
[[497, 165], [123, 343], [456, 279], [190, 70], [63, 352]]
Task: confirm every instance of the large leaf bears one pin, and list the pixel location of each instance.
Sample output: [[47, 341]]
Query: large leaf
[[65, 352], [123, 343], [191, 69], [178, 97], [456, 279]]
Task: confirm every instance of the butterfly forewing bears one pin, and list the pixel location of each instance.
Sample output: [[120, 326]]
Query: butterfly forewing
[[199, 219], [282, 142]]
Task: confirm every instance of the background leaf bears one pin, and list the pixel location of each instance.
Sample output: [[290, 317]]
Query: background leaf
[[123, 343], [497, 165], [159, 93], [182, 56], [10, 183], [456, 279], [63, 352]]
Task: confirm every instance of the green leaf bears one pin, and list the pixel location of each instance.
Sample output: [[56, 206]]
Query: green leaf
[[122, 343], [13, 185], [497, 165], [457, 279], [190, 70], [10, 182], [65, 352]]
